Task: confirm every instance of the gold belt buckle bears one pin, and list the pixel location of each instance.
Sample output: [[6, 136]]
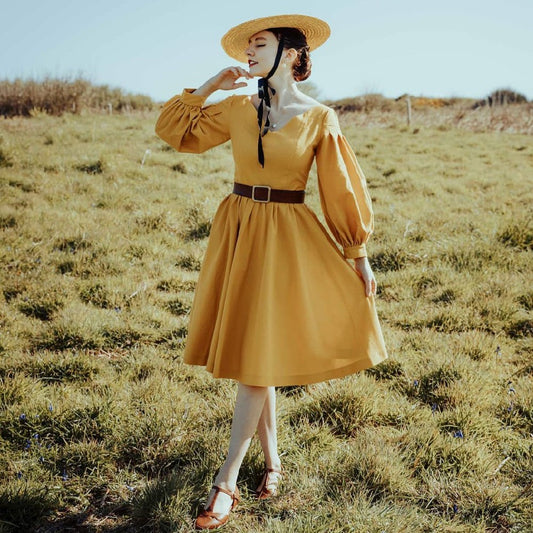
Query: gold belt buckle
[[254, 187]]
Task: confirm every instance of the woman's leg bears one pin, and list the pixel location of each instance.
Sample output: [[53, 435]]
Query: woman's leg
[[248, 408], [267, 433]]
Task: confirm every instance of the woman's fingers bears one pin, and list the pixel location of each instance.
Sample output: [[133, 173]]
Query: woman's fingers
[[371, 287], [370, 283], [245, 73]]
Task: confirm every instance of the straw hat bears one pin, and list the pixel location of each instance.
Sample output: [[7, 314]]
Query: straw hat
[[235, 41]]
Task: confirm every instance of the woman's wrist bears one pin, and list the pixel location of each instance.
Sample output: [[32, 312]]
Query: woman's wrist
[[206, 89]]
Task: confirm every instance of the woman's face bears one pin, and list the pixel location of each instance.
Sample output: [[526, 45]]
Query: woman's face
[[261, 52]]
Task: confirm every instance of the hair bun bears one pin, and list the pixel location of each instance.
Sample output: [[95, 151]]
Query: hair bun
[[301, 69], [295, 38]]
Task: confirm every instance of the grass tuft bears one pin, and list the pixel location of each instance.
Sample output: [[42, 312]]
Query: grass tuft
[[5, 159], [433, 388], [519, 235], [389, 259], [197, 224], [388, 369], [96, 167], [24, 504]]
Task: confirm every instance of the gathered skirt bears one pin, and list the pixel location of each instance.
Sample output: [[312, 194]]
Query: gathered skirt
[[276, 302]]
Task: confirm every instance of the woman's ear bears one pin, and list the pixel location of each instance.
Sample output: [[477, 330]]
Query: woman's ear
[[290, 55]]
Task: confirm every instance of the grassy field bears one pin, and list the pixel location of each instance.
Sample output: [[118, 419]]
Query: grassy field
[[103, 428]]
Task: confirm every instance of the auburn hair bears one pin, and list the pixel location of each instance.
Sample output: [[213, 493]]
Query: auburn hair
[[294, 38]]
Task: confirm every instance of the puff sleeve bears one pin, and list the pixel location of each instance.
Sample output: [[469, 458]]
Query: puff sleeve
[[188, 127], [343, 191]]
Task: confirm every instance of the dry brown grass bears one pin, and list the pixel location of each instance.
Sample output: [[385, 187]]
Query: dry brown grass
[[55, 96]]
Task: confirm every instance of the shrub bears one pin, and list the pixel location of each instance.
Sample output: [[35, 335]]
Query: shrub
[[501, 97], [56, 96]]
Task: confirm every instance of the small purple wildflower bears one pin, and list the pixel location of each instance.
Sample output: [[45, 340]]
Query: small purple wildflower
[[64, 476], [27, 445], [433, 408], [415, 382], [19, 475], [455, 508], [458, 434], [50, 407], [22, 417], [36, 436], [41, 459]]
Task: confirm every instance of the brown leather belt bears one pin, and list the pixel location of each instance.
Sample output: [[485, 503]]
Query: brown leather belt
[[265, 193]]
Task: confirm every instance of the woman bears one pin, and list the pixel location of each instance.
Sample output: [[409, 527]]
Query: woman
[[276, 302]]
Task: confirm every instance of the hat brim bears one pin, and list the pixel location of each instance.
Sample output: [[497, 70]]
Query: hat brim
[[235, 41]]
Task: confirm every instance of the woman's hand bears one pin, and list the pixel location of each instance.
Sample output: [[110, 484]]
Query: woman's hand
[[226, 80], [364, 271]]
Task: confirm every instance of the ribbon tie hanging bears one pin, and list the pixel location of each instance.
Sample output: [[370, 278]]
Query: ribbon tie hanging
[[264, 93]]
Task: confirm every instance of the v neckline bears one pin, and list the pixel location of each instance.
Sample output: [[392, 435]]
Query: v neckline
[[250, 102]]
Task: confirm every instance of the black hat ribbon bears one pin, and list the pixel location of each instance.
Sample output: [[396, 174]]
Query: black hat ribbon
[[263, 92]]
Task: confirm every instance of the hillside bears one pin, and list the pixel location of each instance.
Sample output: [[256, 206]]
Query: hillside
[[103, 428]]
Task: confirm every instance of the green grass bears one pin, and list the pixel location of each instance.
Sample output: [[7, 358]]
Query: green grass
[[102, 426]]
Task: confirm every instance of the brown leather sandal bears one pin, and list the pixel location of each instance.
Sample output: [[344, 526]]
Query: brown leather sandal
[[269, 484], [207, 519]]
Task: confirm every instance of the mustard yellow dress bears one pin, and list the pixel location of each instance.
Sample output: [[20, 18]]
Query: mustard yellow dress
[[276, 302]]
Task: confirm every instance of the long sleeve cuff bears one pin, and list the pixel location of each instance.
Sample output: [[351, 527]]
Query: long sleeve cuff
[[192, 99], [354, 252]]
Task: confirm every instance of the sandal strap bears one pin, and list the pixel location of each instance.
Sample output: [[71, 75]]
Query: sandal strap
[[263, 485], [235, 496], [211, 514], [225, 491]]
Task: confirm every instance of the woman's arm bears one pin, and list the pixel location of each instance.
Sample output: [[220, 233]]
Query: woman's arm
[[225, 80]]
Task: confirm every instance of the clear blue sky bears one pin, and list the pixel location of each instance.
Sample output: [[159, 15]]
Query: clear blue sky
[[157, 47]]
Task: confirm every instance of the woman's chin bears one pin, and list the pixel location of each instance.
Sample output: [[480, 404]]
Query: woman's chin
[[257, 73]]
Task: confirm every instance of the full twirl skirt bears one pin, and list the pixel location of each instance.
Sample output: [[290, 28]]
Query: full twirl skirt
[[276, 302]]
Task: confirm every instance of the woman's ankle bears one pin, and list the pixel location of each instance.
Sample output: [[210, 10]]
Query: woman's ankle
[[225, 481], [274, 464]]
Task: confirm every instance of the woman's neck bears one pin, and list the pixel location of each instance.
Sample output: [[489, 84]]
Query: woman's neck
[[286, 89]]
